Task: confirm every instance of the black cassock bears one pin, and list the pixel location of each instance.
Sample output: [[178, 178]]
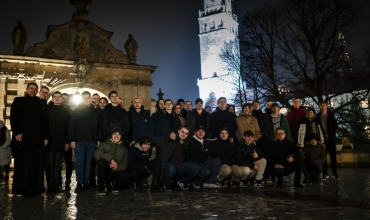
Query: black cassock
[[28, 116]]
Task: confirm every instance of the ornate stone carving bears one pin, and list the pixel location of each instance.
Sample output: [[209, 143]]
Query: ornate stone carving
[[131, 47], [81, 67], [50, 82], [137, 82], [81, 11]]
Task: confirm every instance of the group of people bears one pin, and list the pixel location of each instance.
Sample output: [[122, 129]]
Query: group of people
[[177, 145]]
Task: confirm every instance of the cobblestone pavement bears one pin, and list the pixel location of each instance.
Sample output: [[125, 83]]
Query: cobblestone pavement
[[348, 198]]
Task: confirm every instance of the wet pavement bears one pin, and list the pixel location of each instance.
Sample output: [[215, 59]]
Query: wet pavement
[[348, 198]]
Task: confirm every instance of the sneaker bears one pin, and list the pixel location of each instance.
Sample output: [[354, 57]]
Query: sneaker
[[167, 188], [101, 191], [183, 186], [196, 187], [115, 188], [336, 177], [211, 185], [258, 184]]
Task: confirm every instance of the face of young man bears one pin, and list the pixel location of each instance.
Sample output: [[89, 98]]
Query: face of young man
[[224, 135], [168, 106], [161, 104], [199, 106], [96, 99], [256, 106], [43, 93], [102, 103], [116, 137], [32, 90], [313, 142], [280, 135], [145, 147], [86, 99], [188, 106], [65, 99], [268, 104], [232, 109], [57, 99], [200, 134], [323, 107], [209, 110], [183, 133], [247, 110], [248, 139], [182, 105], [177, 109], [296, 103], [310, 114], [222, 104], [136, 103], [275, 110], [114, 98]]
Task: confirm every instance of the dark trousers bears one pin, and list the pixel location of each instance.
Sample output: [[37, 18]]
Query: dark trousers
[[92, 173], [107, 176], [309, 168], [265, 146], [185, 171], [331, 149], [52, 167], [288, 169], [6, 168], [153, 167], [209, 171], [69, 167]]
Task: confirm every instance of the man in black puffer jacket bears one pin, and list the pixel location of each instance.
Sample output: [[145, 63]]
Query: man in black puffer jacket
[[140, 120], [222, 118]]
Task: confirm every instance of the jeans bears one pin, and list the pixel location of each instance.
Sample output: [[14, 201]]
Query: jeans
[[107, 176], [84, 152], [209, 171], [288, 169], [186, 171], [332, 150]]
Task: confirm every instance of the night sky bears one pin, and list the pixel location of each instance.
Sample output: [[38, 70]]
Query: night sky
[[166, 31]]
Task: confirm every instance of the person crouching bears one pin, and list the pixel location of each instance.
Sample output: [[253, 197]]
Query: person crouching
[[112, 160], [315, 156]]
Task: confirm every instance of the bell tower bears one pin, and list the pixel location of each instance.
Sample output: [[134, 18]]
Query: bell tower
[[217, 25]]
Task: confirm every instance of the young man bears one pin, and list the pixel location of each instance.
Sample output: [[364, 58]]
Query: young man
[[102, 103], [249, 162], [67, 154], [222, 118], [188, 108], [309, 125], [315, 157], [95, 99], [5, 151], [85, 133], [329, 128], [179, 120], [174, 164], [139, 119], [286, 158], [115, 116], [268, 104], [181, 102], [198, 153], [279, 120], [208, 109], [112, 162], [294, 116], [29, 123], [199, 117], [44, 92], [164, 123]]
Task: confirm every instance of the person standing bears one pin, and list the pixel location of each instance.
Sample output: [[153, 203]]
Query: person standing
[[294, 116], [246, 121], [139, 119], [28, 120], [278, 120], [58, 122], [85, 133], [5, 151], [222, 118], [329, 129], [198, 117], [67, 154]]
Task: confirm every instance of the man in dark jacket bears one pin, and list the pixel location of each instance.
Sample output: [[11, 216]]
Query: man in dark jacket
[[249, 162], [68, 153], [222, 118], [286, 158], [309, 125], [294, 116], [198, 117], [115, 116], [28, 119], [329, 129], [139, 119], [58, 143], [85, 133], [315, 157], [112, 161], [198, 153]]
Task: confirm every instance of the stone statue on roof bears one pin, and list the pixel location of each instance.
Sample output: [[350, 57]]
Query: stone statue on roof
[[81, 11], [19, 38], [131, 47]]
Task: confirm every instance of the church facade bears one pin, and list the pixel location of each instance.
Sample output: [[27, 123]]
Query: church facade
[[217, 25]]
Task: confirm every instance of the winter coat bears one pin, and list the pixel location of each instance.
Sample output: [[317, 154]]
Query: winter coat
[[141, 127], [223, 149], [85, 125], [115, 116], [5, 150], [294, 116], [198, 151], [194, 120], [163, 124], [109, 150], [283, 124], [244, 156], [331, 124], [58, 125], [280, 151], [167, 151], [220, 119], [304, 132], [138, 159], [264, 122], [316, 153], [247, 122]]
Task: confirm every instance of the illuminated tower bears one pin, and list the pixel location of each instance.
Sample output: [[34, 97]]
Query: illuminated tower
[[217, 25]]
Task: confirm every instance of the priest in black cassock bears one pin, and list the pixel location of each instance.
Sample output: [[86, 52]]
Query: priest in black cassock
[[28, 120]]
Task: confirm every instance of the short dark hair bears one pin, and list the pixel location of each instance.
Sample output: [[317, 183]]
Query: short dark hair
[[104, 99], [186, 127], [279, 129], [273, 105], [96, 94], [322, 102], [189, 101], [65, 94], [86, 93], [218, 100], [296, 98], [248, 133], [268, 100], [168, 100], [57, 92], [32, 83], [207, 107], [45, 87], [256, 101], [112, 92], [145, 139]]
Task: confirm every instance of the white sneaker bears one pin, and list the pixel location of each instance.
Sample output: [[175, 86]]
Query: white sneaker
[[211, 185]]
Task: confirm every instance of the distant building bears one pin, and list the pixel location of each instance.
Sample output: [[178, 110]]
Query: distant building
[[217, 25]]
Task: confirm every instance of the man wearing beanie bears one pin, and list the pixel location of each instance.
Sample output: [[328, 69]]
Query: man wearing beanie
[[112, 161], [309, 125], [199, 117], [315, 157]]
